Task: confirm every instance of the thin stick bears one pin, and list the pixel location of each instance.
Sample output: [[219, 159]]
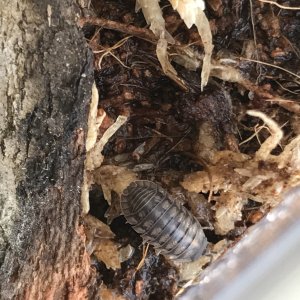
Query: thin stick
[[143, 258], [293, 106], [109, 50], [284, 88], [257, 129], [252, 22], [279, 5], [142, 33], [270, 65], [296, 50], [254, 37]]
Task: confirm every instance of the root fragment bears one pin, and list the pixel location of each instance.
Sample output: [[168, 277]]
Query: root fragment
[[280, 6], [142, 261], [94, 157], [276, 135]]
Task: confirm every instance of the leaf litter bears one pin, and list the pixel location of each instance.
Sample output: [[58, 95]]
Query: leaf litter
[[209, 111]]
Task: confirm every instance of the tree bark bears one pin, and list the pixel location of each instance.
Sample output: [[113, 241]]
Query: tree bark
[[45, 88]]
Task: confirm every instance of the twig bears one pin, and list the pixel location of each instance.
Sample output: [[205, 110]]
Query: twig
[[286, 89], [271, 65], [142, 33], [289, 105], [254, 37], [296, 50], [257, 129], [109, 50], [253, 26], [145, 252], [279, 5]]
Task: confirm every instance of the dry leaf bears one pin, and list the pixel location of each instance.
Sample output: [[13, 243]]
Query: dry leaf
[[100, 242], [191, 12], [189, 271], [228, 210], [109, 294], [113, 178]]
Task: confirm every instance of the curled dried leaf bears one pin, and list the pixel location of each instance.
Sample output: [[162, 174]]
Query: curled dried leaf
[[189, 271], [100, 242], [191, 12], [228, 210], [113, 178], [162, 55]]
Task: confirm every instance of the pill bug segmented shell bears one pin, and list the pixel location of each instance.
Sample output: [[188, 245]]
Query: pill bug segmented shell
[[162, 222]]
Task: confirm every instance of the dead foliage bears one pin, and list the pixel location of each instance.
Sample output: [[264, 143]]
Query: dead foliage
[[210, 111]]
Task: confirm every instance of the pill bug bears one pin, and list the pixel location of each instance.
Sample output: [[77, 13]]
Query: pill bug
[[162, 222]]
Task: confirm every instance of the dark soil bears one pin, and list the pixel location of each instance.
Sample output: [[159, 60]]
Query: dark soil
[[164, 120]]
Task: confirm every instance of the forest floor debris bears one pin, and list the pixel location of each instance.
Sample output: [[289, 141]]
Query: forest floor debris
[[226, 148]]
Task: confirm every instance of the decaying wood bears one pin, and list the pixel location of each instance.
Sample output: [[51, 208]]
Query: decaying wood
[[44, 94]]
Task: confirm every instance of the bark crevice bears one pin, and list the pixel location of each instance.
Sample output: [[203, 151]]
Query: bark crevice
[[44, 100]]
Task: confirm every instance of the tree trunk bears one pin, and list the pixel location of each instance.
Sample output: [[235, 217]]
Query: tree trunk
[[45, 88]]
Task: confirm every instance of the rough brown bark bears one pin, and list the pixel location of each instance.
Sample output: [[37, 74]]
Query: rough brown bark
[[44, 92]]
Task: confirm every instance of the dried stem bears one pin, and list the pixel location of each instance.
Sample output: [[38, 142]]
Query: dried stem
[[271, 142], [142, 33], [271, 65], [141, 263], [280, 5]]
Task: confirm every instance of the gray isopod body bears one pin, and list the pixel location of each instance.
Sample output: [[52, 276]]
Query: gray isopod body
[[162, 222]]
